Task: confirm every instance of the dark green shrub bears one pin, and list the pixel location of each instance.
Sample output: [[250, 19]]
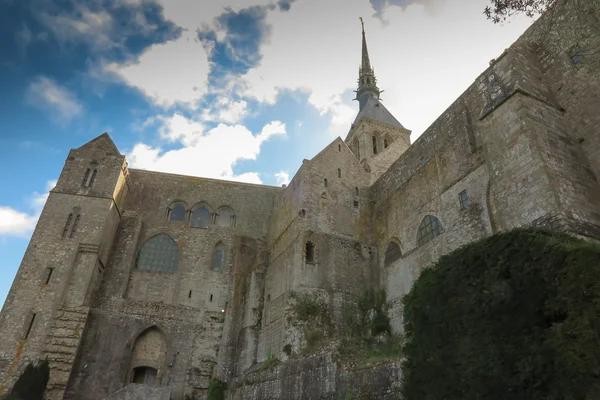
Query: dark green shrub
[[514, 316], [32, 382], [216, 389], [306, 308]]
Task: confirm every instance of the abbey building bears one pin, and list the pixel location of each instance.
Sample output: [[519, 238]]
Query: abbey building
[[146, 285]]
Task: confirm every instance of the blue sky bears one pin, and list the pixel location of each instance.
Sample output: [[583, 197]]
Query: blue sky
[[233, 89]]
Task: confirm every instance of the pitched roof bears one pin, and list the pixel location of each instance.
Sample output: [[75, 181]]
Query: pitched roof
[[102, 141], [375, 110]]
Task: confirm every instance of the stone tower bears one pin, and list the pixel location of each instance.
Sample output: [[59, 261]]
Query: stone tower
[[376, 137], [46, 311]]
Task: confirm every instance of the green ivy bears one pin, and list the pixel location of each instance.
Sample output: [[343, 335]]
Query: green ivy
[[513, 316]]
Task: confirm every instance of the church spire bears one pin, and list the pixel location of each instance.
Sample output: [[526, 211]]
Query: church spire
[[367, 83]]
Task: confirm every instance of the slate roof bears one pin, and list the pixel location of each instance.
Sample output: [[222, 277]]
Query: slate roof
[[375, 110]]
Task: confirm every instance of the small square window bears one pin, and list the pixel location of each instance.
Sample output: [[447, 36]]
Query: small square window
[[355, 204], [463, 197]]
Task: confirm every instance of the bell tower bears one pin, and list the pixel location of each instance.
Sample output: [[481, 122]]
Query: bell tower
[[376, 137]]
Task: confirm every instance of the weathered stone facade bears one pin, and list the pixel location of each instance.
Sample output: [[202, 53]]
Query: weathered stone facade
[[521, 146]]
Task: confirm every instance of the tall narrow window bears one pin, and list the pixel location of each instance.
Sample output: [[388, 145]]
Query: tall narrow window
[[67, 226], [325, 182], [339, 173], [48, 275], [356, 190], [356, 147], [339, 147], [463, 198], [430, 228], [218, 257], [74, 227], [30, 325], [86, 177], [93, 177], [309, 252], [177, 213], [374, 145], [90, 175], [385, 143]]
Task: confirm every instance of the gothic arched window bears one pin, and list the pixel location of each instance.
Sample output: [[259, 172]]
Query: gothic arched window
[[225, 217], [356, 147], [90, 174], [218, 256], [392, 253], [159, 253], [429, 228], [374, 145], [177, 213], [200, 218], [71, 224]]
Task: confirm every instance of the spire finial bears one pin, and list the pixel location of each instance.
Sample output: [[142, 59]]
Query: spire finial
[[366, 76]]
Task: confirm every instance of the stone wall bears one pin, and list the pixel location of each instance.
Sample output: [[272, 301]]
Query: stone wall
[[317, 377]]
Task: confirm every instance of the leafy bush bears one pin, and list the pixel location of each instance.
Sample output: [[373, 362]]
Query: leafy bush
[[306, 308], [31, 385], [513, 316], [216, 389], [369, 317]]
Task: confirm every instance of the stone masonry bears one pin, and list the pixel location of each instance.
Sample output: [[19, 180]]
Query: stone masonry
[[138, 284]]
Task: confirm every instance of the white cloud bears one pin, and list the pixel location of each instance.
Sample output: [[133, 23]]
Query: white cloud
[[424, 57], [282, 178], [227, 111], [179, 128], [44, 93], [168, 73], [16, 223], [21, 224], [212, 154], [192, 14], [232, 111], [82, 25]]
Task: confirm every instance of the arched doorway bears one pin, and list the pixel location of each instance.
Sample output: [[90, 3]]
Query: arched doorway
[[148, 357]]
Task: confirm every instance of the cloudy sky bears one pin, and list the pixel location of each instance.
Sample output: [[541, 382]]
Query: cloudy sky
[[232, 89]]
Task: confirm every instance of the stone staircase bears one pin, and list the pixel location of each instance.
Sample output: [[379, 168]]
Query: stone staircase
[[61, 347]]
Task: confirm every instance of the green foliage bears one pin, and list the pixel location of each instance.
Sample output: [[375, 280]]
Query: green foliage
[[270, 359], [32, 382], [368, 350], [369, 317], [287, 349], [368, 332], [501, 10], [216, 389], [306, 308], [514, 316], [314, 340]]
